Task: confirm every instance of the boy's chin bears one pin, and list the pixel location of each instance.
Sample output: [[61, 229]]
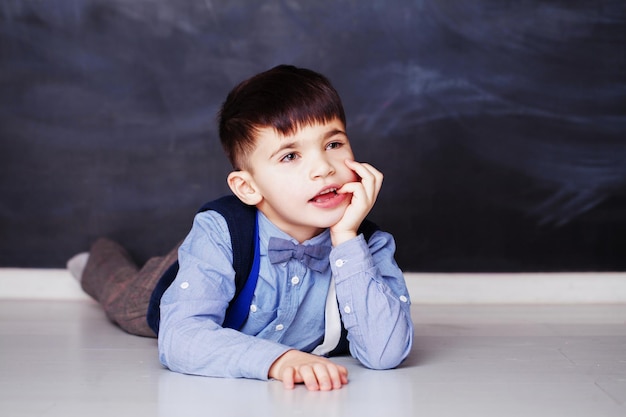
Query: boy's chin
[[327, 222]]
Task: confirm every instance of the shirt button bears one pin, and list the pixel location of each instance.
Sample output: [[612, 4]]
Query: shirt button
[[295, 280], [253, 308], [347, 309], [184, 285], [403, 299], [279, 327], [339, 263]]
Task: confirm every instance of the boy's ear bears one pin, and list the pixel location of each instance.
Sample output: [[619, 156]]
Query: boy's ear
[[243, 186]]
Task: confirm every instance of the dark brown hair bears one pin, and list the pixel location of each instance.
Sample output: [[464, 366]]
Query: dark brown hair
[[285, 98]]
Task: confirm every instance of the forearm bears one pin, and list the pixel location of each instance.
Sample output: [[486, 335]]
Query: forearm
[[374, 303], [204, 348]]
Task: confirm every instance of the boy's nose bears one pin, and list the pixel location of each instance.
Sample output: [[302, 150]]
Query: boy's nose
[[322, 168]]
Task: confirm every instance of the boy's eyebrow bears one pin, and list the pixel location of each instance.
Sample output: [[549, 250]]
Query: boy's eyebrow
[[334, 132], [293, 143], [282, 147]]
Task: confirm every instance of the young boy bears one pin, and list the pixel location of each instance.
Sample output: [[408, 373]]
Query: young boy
[[284, 132]]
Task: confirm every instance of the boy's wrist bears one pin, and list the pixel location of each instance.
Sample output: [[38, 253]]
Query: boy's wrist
[[337, 238], [275, 369]]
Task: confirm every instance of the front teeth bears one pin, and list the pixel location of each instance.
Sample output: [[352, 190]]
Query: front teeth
[[330, 190]]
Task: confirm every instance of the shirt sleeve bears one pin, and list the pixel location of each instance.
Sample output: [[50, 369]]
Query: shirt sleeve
[[373, 300], [191, 339]]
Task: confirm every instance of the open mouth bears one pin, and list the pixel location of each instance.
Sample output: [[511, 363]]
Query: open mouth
[[326, 195]]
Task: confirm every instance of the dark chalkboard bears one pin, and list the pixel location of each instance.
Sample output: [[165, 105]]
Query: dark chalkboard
[[500, 125]]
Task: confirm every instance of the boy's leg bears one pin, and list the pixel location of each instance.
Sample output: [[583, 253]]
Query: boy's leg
[[114, 280]]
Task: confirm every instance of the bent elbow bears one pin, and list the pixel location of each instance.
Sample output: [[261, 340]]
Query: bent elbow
[[385, 359], [384, 363], [173, 346]]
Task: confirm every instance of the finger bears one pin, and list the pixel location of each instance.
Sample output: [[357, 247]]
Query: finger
[[364, 170], [350, 188], [371, 178], [336, 379], [358, 168], [309, 378], [323, 376], [376, 177], [360, 192], [359, 198], [343, 373], [288, 378]]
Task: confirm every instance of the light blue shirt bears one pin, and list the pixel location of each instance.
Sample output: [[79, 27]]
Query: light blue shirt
[[287, 309]]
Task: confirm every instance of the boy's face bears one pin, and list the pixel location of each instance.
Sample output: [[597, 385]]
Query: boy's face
[[297, 176]]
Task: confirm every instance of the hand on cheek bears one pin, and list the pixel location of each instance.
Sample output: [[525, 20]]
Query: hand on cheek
[[364, 193]]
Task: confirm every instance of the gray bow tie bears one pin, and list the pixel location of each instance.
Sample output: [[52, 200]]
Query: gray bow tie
[[313, 256]]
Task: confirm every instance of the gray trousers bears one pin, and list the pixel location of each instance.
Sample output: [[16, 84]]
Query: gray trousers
[[123, 289]]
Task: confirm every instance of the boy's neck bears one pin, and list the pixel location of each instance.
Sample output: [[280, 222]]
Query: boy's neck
[[299, 233]]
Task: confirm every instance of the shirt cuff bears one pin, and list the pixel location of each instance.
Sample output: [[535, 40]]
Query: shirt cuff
[[270, 357], [350, 257]]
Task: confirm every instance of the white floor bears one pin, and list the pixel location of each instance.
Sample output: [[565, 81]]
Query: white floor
[[62, 358]]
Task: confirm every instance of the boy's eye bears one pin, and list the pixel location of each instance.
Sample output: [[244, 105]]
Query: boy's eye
[[333, 145], [289, 157]]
